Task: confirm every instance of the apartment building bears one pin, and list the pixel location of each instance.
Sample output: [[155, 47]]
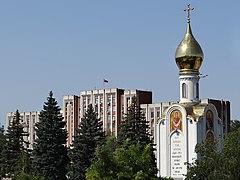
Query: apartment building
[[28, 121], [154, 112], [71, 115], [109, 104]]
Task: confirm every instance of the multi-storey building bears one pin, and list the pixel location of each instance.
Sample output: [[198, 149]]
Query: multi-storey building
[[106, 103], [154, 112], [111, 104], [223, 109], [71, 115], [28, 121]]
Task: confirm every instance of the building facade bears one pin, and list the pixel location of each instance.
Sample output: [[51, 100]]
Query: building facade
[[71, 114], [109, 104], [154, 112], [28, 121]]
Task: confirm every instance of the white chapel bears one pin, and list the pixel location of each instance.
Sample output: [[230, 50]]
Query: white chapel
[[191, 120]]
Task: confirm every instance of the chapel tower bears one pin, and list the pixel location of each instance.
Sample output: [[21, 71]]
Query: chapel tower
[[189, 57]]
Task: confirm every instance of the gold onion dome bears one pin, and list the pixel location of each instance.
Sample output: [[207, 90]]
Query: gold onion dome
[[189, 54]]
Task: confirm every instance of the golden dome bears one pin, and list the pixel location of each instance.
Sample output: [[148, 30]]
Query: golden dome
[[189, 54]]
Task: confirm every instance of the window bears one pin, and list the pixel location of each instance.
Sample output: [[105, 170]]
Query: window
[[101, 99], [184, 90], [89, 100], [197, 90], [109, 99], [84, 100], [152, 114], [96, 99]]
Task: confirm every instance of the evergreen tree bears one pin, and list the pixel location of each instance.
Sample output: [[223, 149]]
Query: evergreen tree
[[134, 128], [24, 176], [134, 131], [14, 148], [2, 145], [89, 135], [49, 151]]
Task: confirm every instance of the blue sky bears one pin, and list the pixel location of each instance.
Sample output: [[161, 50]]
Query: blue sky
[[68, 46]]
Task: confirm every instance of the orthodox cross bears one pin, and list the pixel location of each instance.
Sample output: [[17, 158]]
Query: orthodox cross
[[189, 9]]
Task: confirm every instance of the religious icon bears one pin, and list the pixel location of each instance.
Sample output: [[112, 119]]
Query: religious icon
[[210, 136], [176, 120], [209, 120]]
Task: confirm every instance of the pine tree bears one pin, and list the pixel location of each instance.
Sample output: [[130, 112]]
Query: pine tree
[[134, 131], [14, 148], [89, 135], [49, 151], [134, 128], [2, 145]]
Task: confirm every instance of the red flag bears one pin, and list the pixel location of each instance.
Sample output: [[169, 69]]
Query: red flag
[[105, 81]]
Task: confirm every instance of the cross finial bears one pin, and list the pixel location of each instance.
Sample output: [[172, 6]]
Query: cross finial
[[189, 9]]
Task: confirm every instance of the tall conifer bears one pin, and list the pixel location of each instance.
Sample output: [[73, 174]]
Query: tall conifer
[[89, 135], [11, 157], [49, 151], [134, 132], [2, 145], [134, 128]]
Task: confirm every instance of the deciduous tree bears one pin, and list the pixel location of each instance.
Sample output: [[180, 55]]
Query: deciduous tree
[[131, 161]]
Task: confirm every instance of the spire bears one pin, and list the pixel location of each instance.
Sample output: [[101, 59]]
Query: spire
[[189, 57], [189, 54]]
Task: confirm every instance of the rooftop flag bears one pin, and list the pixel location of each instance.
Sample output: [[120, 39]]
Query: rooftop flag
[[105, 80]]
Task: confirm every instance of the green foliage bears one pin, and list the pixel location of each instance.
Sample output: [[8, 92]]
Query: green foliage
[[2, 138], [235, 124], [49, 151], [135, 162], [213, 164], [134, 128], [231, 154], [131, 161], [210, 166], [13, 151], [24, 176], [134, 138], [2, 145], [89, 135], [105, 165]]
